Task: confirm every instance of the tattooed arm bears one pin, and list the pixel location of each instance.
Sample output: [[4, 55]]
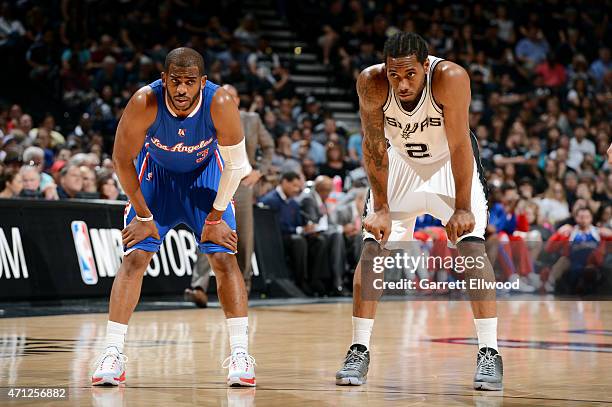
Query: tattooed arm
[[372, 88]]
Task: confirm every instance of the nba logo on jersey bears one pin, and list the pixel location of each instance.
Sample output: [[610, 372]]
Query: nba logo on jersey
[[87, 264], [181, 132]]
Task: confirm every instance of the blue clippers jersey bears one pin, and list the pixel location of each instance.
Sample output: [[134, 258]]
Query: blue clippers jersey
[[182, 145]]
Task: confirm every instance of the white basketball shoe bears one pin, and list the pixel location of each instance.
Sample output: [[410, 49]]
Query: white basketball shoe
[[241, 367], [110, 368]]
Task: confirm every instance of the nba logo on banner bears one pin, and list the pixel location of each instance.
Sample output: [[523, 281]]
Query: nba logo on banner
[[85, 256]]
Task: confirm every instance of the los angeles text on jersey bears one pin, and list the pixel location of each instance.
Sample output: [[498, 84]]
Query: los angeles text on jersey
[[182, 148], [411, 128]]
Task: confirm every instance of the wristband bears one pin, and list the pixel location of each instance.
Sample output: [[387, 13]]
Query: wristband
[[149, 219], [212, 222]]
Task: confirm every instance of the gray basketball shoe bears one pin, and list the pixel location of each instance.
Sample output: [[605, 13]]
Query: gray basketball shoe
[[355, 367], [489, 370]]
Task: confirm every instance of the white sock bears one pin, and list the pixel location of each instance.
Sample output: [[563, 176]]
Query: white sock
[[362, 329], [486, 329], [115, 335], [238, 334]]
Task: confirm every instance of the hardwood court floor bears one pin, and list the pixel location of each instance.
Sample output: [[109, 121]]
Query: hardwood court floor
[[422, 355]]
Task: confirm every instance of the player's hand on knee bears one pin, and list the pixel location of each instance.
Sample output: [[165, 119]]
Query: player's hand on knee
[[220, 234], [461, 223], [379, 224], [137, 231]]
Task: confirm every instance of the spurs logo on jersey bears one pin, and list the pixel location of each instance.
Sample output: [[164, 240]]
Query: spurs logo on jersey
[[419, 135]]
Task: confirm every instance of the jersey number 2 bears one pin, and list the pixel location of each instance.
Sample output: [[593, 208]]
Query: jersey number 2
[[417, 150]]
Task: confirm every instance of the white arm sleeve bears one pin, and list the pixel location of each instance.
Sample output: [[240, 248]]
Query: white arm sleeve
[[236, 167]]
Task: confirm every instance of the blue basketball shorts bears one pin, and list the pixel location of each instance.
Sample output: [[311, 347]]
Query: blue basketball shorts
[[176, 198]]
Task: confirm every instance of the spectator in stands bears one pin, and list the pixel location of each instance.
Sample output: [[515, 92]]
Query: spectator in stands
[[35, 157], [11, 184], [31, 182], [579, 259], [262, 63], [71, 182], [48, 123], [336, 163], [532, 49], [309, 169], [348, 215], [313, 204], [552, 72], [89, 180], [579, 146], [601, 66], [554, 206], [329, 132], [304, 248], [246, 33], [107, 187], [355, 152], [283, 159], [313, 149], [312, 112]]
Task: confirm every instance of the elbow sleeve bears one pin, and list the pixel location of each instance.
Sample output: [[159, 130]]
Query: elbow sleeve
[[236, 167]]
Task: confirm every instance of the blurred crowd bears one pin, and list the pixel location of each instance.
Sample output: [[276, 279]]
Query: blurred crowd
[[541, 98]]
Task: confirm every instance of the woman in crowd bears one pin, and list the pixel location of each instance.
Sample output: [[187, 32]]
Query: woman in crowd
[[11, 184]]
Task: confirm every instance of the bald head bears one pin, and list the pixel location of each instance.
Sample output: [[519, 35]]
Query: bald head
[[233, 93], [184, 57], [323, 185]]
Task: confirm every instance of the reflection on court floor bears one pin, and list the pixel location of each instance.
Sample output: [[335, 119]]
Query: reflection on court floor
[[555, 353]]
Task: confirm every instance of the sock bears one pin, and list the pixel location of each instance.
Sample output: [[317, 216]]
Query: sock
[[486, 329], [362, 329], [238, 334], [115, 335]]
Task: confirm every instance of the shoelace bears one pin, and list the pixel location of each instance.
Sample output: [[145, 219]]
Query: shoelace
[[486, 365], [239, 357], [354, 359], [115, 357]]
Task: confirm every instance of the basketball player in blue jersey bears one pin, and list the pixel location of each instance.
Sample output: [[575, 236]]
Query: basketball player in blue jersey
[[421, 158], [185, 135]]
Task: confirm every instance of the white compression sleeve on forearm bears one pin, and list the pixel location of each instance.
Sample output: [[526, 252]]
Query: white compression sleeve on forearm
[[236, 167]]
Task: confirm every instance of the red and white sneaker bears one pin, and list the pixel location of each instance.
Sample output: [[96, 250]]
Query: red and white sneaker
[[110, 368], [241, 370]]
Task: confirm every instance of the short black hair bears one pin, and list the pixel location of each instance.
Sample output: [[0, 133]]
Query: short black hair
[[185, 57], [289, 176], [403, 44]]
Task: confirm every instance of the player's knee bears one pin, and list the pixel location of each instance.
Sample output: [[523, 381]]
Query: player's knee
[[136, 263], [222, 262]]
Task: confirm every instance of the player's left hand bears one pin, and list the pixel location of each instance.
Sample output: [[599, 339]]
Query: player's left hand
[[459, 224], [220, 234]]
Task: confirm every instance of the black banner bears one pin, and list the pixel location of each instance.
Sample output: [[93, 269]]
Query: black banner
[[71, 249]]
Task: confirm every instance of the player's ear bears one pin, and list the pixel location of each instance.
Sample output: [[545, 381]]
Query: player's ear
[[204, 78], [426, 65], [163, 78]]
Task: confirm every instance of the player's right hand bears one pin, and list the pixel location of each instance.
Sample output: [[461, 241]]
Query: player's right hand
[[220, 234], [137, 231], [379, 224]]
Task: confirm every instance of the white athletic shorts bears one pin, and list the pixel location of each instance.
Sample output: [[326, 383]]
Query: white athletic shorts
[[415, 190]]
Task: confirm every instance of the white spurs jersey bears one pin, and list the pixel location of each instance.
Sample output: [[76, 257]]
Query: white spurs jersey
[[418, 136]]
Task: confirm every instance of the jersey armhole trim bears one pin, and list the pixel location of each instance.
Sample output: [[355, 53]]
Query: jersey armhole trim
[[432, 69]]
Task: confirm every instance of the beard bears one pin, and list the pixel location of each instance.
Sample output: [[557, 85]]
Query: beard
[[193, 100]]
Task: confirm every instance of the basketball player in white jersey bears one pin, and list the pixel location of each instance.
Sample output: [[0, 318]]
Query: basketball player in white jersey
[[419, 105]]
